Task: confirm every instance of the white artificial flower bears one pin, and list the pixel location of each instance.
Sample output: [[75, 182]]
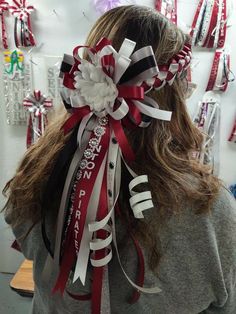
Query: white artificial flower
[[95, 87]]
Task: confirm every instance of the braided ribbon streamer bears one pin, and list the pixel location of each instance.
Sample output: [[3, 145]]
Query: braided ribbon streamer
[[103, 95], [168, 8], [210, 24], [37, 106], [23, 34], [4, 6], [221, 75], [176, 66], [207, 119]]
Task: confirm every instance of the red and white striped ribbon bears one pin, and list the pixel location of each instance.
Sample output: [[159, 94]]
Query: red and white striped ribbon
[[210, 24], [175, 67], [23, 31], [4, 6], [167, 8], [20, 10]]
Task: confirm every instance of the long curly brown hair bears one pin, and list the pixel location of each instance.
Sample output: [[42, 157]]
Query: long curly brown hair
[[164, 150]]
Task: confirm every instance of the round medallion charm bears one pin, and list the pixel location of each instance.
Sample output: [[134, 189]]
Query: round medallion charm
[[88, 153], [83, 164], [78, 175], [93, 142], [103, 121], [99, 131]]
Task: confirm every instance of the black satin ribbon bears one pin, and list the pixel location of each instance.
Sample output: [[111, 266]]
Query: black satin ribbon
[[56, 182], [138, 68], [15, 33], [66, 65]]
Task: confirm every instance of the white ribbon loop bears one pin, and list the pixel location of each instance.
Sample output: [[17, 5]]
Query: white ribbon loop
[[153, 112], [120, 112], [99, 244]]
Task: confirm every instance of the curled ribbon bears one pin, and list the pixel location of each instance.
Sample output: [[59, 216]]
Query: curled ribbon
[[102, 95], [23, 31], [37, 106]]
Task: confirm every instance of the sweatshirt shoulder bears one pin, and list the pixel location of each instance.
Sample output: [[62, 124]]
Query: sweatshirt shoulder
[[224, 208]]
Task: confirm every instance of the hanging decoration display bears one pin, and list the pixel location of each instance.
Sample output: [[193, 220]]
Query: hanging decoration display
[[4, 6], [54, 84], [37, 107], [207, 120], [168, 8], [221, 75], [210, 24], [103, 95], [232, 137], [46, 71], [17, 83], [23, 34], [103, 6]]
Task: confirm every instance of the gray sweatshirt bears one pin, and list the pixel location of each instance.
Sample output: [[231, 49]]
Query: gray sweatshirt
[[197, 272]]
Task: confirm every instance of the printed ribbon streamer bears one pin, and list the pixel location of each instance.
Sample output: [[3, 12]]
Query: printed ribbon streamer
[[221, 74], [207, 120], [103, 95], [37, 106], [15, 62], [22, 31], [16, 85], [210, 24], [232, 137], [4, 6], [168, 8]]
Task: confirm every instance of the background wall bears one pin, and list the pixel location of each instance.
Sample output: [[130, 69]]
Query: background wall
[[58, 27]]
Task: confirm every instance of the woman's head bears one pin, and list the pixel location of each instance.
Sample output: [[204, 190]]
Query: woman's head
[[146, 27], [163, 150], [142, 25]]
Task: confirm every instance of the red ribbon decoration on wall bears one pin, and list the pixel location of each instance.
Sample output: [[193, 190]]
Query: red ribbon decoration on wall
[[23, 33], [4, 6], [220, 75], [210, 24], [37, 106], [168, 8]]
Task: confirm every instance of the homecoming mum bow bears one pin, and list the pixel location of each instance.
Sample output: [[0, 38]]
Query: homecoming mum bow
[[23, 31], [104, 94], [37, 106]]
